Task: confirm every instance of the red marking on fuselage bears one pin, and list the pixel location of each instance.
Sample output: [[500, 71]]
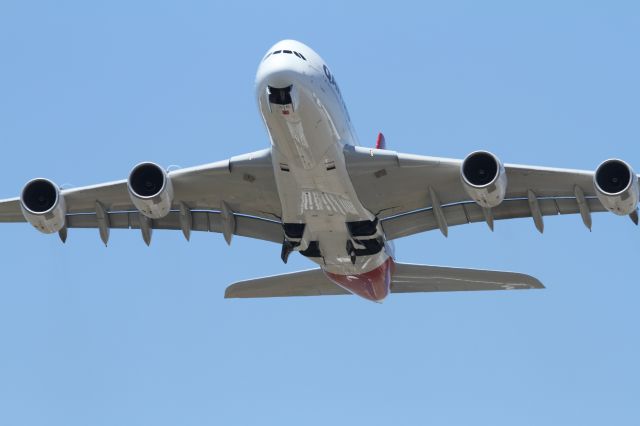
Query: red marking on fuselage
[[374, 285], [381, 143]]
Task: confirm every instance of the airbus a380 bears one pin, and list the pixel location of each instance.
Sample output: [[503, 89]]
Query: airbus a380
[[317, 192]]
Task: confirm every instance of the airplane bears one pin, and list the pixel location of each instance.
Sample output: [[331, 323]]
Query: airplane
[[317, 192]]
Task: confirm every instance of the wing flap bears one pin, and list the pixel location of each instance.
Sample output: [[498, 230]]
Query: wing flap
[[410, 278], [208, 221], [469, 212]]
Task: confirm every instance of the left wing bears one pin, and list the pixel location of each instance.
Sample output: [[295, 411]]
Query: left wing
[[400, 189], [240, 190]]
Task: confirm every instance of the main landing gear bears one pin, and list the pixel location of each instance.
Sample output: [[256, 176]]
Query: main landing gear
[[287, 248], [351, 251]]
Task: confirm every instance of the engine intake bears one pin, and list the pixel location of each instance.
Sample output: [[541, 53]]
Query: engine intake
[[43, 206], [617, 187], [484, 178], [150, 190]]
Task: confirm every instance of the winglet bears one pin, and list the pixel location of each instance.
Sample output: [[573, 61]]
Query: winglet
[[380, 142]]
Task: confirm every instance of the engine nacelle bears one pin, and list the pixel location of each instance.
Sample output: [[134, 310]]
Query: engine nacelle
[[150, 190], [484, 178], [43, 206], [616, 187]]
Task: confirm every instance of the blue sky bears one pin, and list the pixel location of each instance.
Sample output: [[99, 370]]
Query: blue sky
[[131, 335]]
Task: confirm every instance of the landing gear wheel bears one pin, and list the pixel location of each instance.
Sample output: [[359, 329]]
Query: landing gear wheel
[[351, 251], [287, 248]]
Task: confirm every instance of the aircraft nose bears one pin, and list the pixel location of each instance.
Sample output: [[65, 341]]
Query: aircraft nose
[[280, 70]]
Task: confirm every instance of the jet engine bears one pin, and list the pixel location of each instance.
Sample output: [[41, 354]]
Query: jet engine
[[150, 190], [484, 178], [616, 187], [43, 206]]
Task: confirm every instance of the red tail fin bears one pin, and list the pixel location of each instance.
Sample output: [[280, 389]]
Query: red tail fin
[[381, 143]]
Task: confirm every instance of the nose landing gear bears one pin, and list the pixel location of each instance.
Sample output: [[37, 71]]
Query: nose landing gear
[[280, 96]]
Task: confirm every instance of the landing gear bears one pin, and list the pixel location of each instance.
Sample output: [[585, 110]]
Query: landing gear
[[280, 96], [287, 248], [292, 235], [351, 251]]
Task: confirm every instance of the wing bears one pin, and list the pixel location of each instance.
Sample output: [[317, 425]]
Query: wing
[[399, 188], [205, 198], [406, 279]]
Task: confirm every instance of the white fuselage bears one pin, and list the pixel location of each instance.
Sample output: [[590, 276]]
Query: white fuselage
[[308, 132]]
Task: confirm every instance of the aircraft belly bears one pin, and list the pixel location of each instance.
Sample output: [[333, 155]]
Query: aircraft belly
[[313, 183], [309, 164]]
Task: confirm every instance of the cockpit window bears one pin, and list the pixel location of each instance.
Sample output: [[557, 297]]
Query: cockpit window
[[289, 52]]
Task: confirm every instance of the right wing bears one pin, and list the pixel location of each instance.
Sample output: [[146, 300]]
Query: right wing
[[407, 278], [245, 184], [398, 188]]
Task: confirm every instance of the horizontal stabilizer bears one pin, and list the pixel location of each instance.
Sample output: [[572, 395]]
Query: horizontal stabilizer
[[304, 283], [406, 279], [410, 278]]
